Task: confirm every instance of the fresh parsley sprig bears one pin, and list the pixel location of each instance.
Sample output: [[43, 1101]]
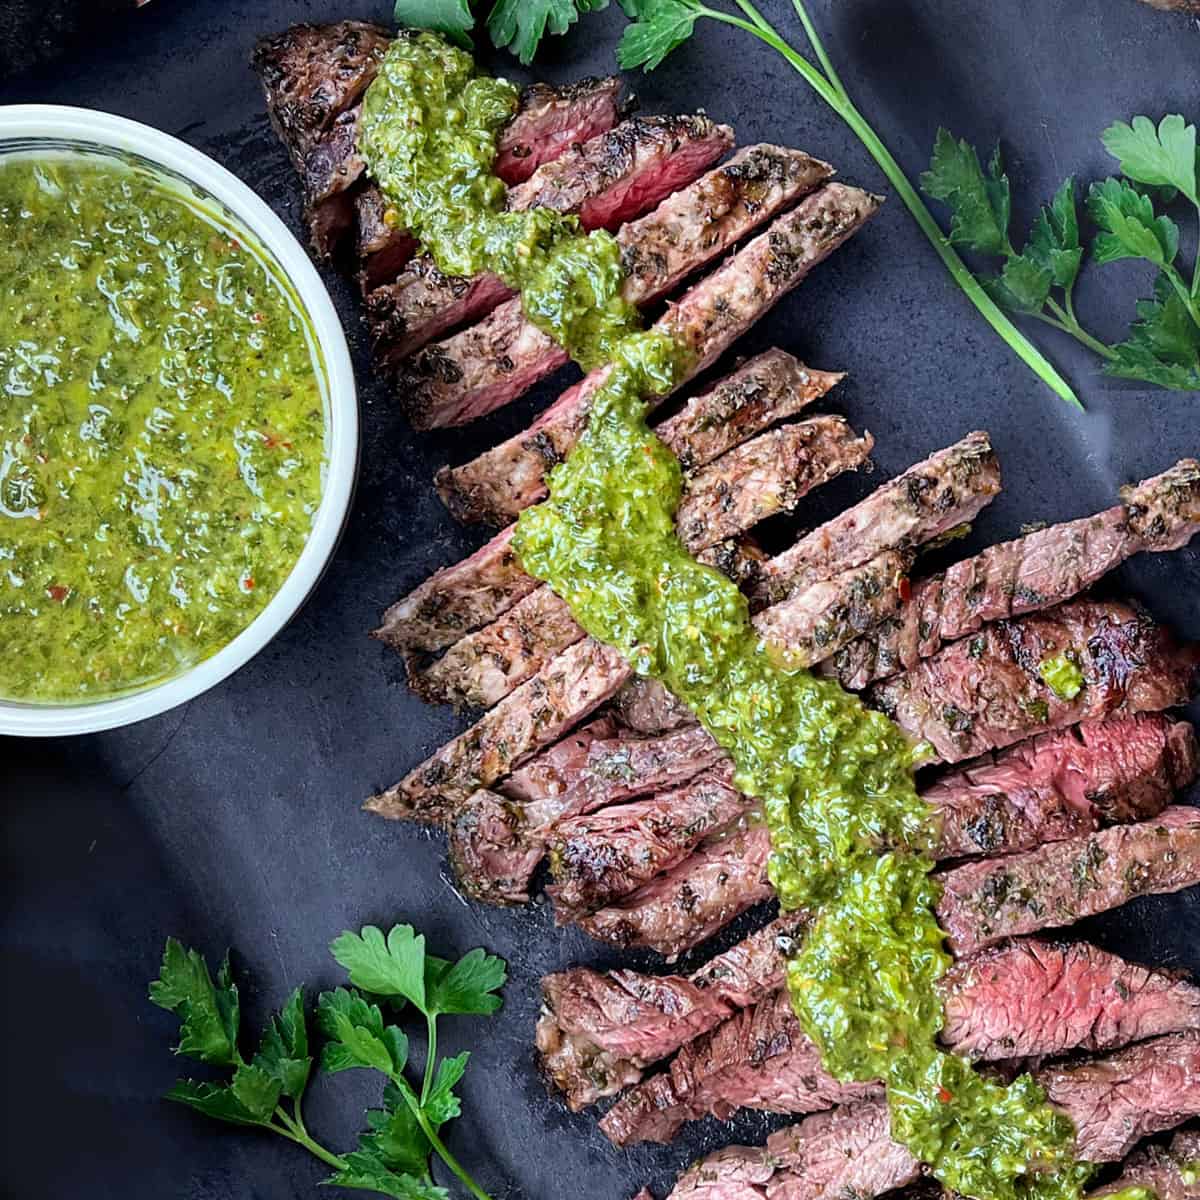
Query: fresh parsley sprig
[[659, 26], [1163, 346], [516, 25], [267, 1091]]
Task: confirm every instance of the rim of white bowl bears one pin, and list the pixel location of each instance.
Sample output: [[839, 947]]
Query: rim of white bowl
[[101, 131]]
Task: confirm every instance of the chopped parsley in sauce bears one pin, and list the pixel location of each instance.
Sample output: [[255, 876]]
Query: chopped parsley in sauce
[[851, 838], [162, 430]]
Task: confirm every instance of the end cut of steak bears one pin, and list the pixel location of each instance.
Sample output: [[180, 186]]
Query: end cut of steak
[[1032, 572], [946, 490], [539, 712], [312, 73], [770, 387], [710, 317], [767, 475], [597, 1031], [988, 690], [1062, 784], [492, 363], [1045, 998], [1057, 884], [612, 178], [1168, 1172]]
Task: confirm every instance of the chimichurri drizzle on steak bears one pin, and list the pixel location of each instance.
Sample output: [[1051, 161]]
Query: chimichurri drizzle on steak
[[851, 838]]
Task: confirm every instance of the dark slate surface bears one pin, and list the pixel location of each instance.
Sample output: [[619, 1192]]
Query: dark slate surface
[[234, 821]]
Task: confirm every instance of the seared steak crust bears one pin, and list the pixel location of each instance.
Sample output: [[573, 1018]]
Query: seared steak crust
[[767, 475], [614, 177], [1168, 1172], [600, 857], [492, 363], [987, 691], [597, 1031], [1045, 998], [539, 712], [928, 500], [770, 387], [1032, 572], [1057, 884], [709, 318], [736, 558]]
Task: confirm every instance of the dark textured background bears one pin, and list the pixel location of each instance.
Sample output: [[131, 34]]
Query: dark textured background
[[234, 821]]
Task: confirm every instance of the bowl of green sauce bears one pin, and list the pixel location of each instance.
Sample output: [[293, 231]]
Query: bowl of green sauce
[[178, 422]]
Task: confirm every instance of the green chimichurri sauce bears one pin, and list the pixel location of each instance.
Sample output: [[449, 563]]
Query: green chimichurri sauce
[[850, 835], [162, 430]]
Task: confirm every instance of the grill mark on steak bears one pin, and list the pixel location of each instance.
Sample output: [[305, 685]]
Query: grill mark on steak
[[614, 177], [494, 362], [769, 474], [1033, 572], [539, 712], [1112, 1102], [1027, 796], [770, 387], [985, 691], [1054, 885], [928, 500], [708, 319], [1161, 1170], [599, 857]]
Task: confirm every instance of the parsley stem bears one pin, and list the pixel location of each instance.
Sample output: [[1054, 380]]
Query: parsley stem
[[436, 1142], [829, 87], [1069, 323], [430, 1057], [295, 1131]]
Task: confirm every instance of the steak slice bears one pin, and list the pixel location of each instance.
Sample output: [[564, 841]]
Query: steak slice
[[736, 558], [1168, 1172], [548, 121], [987, 691], [1062, 784], [330, 172], [770, 387], [499, 359], [598, 1030], [457, 599], [707, 320], [817, 621], [849, 1152], [310, 74], [1057, 884], [600, 857], [688, 904], [646, 706], [1044, 998], [946, 490], [767, 475], [539, 712], [615, 177], [1032, 572]]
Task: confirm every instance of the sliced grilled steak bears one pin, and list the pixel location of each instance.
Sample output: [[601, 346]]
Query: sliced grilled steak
[[985, 902], [597, 1031], [827, 615], [987, 691], [613, 178], [645, 705], [483, 667], [1056, 788], [1045, 998], [311, 74], [330, 173], [947, 489], [709, 318], [689, 903], [770, 387], [767, 475], [1032, 572], [602, 856], [457, 599], [499, 359], [1063, 784], [847, 1152], [1169, 1173], [492, 850], [548, 121], [736, 558], [539, 712]]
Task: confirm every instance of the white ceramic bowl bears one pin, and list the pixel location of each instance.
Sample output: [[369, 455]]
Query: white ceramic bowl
[[30, 127]]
